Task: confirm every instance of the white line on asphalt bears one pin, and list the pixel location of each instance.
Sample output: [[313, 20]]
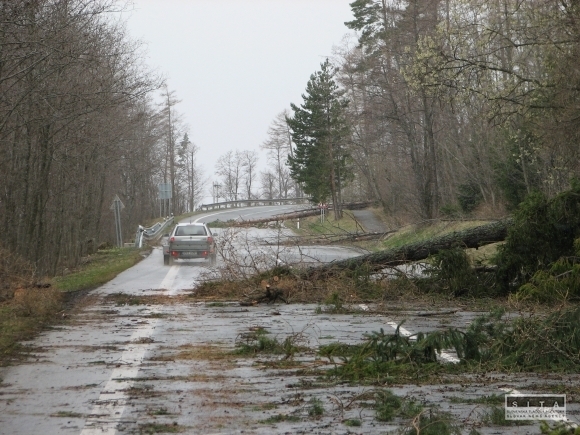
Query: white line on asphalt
[[109, 407], [167, 283]]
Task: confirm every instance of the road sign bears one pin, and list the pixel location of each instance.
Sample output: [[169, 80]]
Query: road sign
[[164, 190], [117, 203]]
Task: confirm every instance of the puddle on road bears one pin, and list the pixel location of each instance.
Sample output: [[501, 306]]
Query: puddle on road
[[194, 379]]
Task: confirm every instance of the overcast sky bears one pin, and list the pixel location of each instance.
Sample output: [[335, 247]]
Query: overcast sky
[[236, 64]]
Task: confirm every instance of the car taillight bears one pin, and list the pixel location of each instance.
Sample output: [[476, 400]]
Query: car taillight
[[172, 239], [209, 240]]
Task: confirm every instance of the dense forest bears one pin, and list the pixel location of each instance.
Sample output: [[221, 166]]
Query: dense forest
[[447, 107], [463, 104], [78, 126], [454, 107]]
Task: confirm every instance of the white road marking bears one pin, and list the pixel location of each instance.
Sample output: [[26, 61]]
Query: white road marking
[[109, 407], [167, 283]]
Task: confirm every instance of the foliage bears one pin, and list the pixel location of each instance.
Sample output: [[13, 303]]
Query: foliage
[[433, 423], [469, 196], [278, 418], [319, 130], [496, 416], [315, 409], [387, 405], [559, 429], [558, 284], [451, 271], [423, 421], [534, 343], [353, 422], [221, 224], [543, 231], [154, 428], [335, 304], [449, 210], [257, 341], [517, 173]]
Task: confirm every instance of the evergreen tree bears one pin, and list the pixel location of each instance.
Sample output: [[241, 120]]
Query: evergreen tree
[[319, 130]]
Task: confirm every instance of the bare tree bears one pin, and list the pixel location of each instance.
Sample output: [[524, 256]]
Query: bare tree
[[73, 114], [249, 162], [190, 173], [230, 170], [268, 185], [279, 146], [171, 125]]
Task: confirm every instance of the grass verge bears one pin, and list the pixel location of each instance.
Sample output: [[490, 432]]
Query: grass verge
[[98, 269], [311, 226]]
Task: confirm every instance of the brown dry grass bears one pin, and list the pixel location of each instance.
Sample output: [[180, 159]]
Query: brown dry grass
[[15, 273], [129, 299], [24, 309], [37, 302], [198, 352], [205, 352], [349, 288], [25, 315]]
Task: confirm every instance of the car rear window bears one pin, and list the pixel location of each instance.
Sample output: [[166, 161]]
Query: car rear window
[[190, 230]]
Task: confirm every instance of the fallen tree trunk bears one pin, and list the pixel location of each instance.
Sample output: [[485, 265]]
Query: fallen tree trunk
[[470, 238]]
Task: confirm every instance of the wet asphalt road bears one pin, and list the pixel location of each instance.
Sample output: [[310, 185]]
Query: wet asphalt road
[[121, 368]]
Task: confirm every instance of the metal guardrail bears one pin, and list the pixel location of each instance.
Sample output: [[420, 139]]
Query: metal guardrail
[[252, 203], [151, 233]]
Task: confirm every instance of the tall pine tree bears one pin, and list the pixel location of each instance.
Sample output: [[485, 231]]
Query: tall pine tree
[[320, 131]]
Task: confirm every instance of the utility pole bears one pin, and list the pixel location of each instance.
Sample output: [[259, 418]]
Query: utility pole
[[216, 192]]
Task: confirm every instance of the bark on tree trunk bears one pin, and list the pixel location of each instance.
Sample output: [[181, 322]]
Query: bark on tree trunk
[[471, 238]]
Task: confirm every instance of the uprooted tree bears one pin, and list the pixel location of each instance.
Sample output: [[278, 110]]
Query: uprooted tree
[[540, 258], [540, 255], [471, 238]]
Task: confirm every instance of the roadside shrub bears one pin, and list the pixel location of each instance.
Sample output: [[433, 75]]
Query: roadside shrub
[[469, 196], [543, 231], [450, 211], [560, 283], [451, 272], [38, 302]]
